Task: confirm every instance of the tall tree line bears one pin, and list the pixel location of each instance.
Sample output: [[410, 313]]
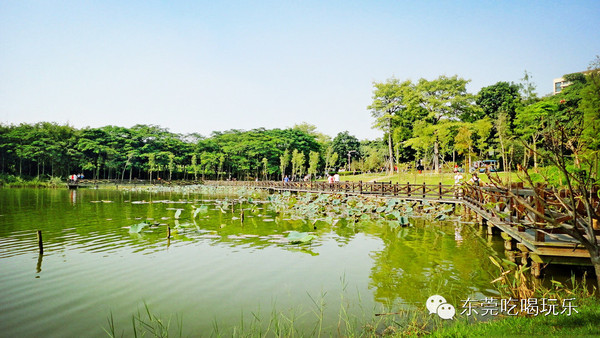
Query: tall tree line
[[48, 149], [439, 121]]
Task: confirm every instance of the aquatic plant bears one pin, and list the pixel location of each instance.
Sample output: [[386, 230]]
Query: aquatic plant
[[137, 228], [331, 207], [296, 237]]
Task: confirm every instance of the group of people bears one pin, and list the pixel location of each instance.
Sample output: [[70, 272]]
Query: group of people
[[330, 178], [333, 178], [473, 181], [75, 177]]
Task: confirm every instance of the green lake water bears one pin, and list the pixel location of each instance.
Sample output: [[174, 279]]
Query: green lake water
[[216, 270]]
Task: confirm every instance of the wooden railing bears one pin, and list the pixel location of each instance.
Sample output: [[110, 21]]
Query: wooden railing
[[516, 211], [488, 200], [417, 191]]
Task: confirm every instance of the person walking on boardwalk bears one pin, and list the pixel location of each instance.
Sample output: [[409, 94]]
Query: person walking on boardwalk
[[457, 182], [475, 180]]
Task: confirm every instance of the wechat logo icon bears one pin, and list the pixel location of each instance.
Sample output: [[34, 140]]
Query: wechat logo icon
[[437, 304]]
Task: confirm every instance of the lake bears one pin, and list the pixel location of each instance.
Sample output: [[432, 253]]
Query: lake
[[216, 272]]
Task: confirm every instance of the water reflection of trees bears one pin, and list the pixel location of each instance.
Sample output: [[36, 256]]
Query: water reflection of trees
[[429, 259]]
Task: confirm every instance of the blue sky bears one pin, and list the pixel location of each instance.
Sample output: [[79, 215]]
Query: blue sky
[[195, 66]]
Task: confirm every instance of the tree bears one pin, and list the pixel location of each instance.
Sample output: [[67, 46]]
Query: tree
[[504, 133], [530, 123], [195, 167], [569, 140], [311, 129], [388, 101], [297, 163], [527, 88], [373, 155], [313, 163], [445, 100], [151, 165], [590, 107], [502, 97], [331, 158], [464, 142], [171, 165], [344, 143], [284, 161], [265, 164]]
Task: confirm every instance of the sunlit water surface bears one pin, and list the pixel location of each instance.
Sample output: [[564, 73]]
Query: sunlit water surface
[[218, 270]]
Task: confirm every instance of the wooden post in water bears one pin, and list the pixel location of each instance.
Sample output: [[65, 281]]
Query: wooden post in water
[[168, 232], [242, 215], [40, 242]]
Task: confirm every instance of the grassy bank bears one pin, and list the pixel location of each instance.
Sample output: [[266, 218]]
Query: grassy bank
[[430, 177], [11, 181], [584, 323], [581, 320], [285, 324]]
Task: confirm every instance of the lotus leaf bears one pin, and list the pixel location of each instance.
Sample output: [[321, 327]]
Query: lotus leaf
[[296, 237], [403, 221], [137, 228], [396, 214]]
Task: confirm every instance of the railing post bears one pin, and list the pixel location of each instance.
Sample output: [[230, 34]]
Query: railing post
[[539, 206], [440, 189], [423, 189], [408, 189], [360, 187]]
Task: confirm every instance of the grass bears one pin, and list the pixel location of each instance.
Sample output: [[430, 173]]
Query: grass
[[584, 323], [513, 282], [447, 178], [416, 322], [583, 320]]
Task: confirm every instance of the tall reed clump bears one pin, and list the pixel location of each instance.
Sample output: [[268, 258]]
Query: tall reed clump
[[351, 320], [514, 282], [147, 324]]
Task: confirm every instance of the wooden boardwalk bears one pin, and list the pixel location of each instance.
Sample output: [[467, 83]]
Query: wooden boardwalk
[[491, 206]]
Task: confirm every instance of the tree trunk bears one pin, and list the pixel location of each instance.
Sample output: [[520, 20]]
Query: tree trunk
[[436, 157], [503, 153], [397, 160], [390, 148], [470, 162], [534, 154], [595, 257]]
